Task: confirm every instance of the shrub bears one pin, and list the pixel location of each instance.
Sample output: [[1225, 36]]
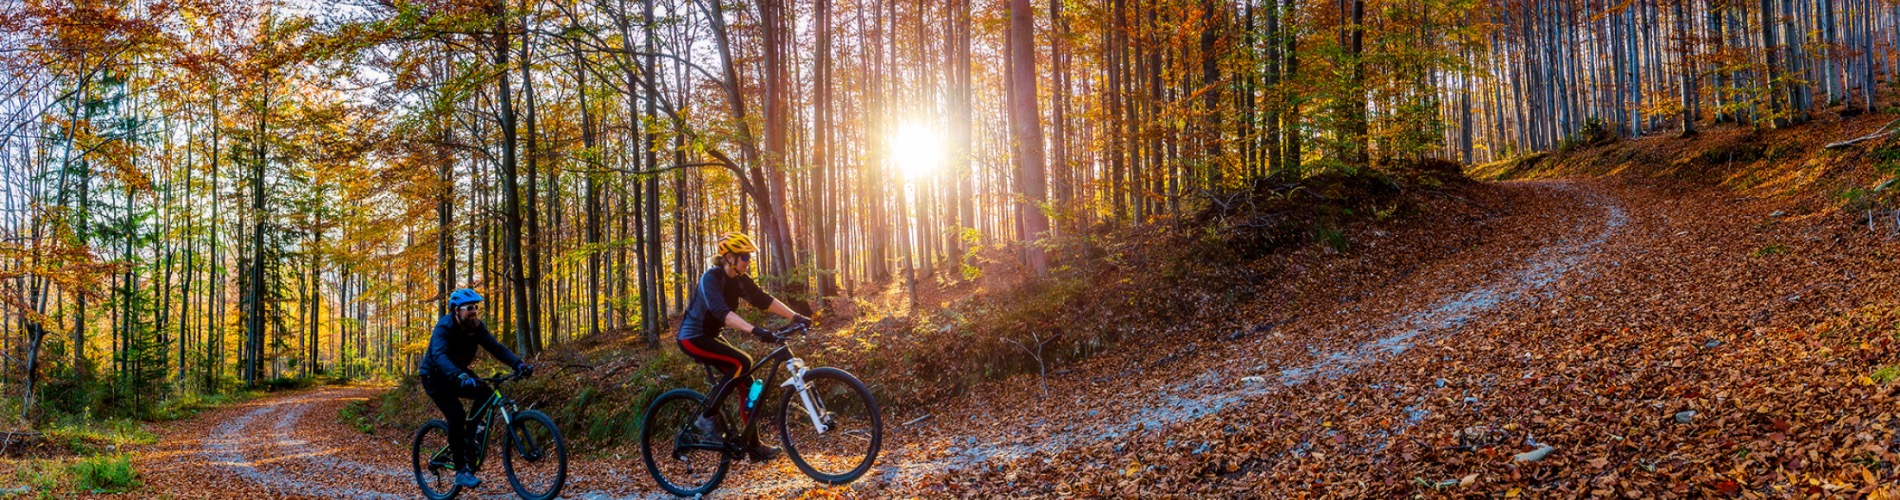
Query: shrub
[[104, 474], [357, 415], [1886, 158], [284, 384], [1593, 133]]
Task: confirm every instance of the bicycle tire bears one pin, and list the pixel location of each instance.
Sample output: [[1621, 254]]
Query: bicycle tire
[[532, 451], [852, 387], [418, 462], [664, 421]]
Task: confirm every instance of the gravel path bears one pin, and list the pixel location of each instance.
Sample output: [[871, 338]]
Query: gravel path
[[294, 446], [1549, 233], [1593, 218]]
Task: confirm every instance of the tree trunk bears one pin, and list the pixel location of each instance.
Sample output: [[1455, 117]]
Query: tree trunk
[[1687, 67], [254, 331], [1290, 124], [1026, 133], [1356, 122], [531, 284], [1773, 64], [590, 154], [510, 193]]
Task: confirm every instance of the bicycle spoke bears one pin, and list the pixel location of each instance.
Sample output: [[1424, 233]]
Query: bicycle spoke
[[670, 443], [536, 467], [847, 440], [433, 463]]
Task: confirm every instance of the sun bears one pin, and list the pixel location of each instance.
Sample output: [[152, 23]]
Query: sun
[[917, 149]]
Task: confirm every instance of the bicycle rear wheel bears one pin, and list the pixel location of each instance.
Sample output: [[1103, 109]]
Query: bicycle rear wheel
[[666, 431], [854, 427], [433, 463], [536, 456]]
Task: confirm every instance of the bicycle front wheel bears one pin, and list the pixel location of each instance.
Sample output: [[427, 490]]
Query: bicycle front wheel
[[536, 457], [673, 449], [433, 462], [853, 427]]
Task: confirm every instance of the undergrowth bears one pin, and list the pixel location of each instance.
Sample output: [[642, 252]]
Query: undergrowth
[[1106, 285], [104, 474]]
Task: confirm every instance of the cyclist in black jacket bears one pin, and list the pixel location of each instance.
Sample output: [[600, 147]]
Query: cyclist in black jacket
[[445, 374], [711, 308]]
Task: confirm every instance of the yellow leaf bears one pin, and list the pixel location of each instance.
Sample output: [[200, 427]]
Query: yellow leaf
[[1513, 493], [1864, 380]]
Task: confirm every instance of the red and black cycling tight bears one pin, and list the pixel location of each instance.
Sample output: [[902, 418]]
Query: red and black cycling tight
[[731, 362]]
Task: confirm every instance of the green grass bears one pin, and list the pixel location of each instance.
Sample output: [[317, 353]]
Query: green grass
[[1774, 249], [1887, 374], [189, 404], [86, 436], [104, 474], [40, 477], [357, 416], [1333, 238]]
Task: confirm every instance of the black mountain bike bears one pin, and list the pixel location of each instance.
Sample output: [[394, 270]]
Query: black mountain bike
[[829, 423], [535, 457]]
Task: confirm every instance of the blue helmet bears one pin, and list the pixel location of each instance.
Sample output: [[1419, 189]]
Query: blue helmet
[[463, 296]]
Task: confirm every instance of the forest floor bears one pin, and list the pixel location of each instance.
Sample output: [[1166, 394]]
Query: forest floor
[[1591, 314], [1622, 336]]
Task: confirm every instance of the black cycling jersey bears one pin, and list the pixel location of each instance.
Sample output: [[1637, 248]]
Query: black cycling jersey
[[712, 299], [452, 348]]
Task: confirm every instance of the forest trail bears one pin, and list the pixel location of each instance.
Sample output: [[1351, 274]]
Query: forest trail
[[1337, 387], [294, 445], [288, 445], [1236, 375], [1632, 337]]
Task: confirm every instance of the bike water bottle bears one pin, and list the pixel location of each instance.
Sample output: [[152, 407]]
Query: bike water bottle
[[752, 396]]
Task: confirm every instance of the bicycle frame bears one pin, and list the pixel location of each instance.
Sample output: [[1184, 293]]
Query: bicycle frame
[[484, 415], [795, 367]]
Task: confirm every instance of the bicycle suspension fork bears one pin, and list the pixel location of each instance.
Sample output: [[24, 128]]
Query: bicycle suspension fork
[[796, 382]]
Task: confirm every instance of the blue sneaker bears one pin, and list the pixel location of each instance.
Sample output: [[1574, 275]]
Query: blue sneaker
[[467, 479]]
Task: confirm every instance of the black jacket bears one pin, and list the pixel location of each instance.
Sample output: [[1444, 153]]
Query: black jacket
[[713, 298], [452, 347]]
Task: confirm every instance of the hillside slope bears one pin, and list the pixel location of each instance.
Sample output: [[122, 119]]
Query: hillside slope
[[1644, 331]]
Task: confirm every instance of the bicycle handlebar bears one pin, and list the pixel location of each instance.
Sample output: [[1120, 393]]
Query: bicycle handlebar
[[782, 335], [504, 377]]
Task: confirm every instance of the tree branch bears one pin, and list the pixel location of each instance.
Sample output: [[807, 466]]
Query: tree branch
[[610, 170], [1878, 133]]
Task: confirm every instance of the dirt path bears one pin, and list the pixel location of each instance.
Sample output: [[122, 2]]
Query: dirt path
[[294, 445], [1556, 230], [1365, 384], [263, 448], [1664, 341]]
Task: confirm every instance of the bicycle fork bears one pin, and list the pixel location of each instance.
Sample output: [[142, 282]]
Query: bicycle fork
[[797, 383]]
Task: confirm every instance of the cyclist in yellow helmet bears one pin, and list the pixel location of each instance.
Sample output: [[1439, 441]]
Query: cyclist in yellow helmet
[[708, 310]]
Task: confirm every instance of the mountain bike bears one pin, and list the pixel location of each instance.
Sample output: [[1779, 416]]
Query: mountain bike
[[534, 457], [827, 419]]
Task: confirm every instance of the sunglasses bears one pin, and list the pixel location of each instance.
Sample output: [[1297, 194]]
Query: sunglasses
[[473, 307], [743, 257]]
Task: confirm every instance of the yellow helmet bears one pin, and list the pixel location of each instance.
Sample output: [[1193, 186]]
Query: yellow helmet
[[736, 243]]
